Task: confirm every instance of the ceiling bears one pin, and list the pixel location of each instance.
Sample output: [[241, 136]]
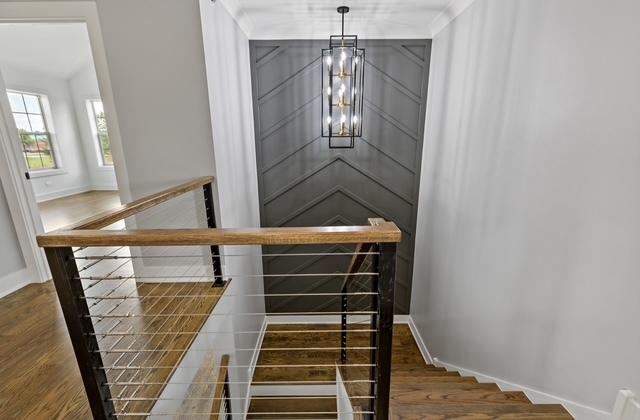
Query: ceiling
[[56, 49], [313, 19]]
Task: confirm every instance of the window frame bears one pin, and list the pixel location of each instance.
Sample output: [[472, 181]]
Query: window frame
[[93, 123], [47, 118]]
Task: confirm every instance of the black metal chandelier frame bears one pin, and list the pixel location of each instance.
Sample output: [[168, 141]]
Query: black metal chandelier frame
[[342, 109]]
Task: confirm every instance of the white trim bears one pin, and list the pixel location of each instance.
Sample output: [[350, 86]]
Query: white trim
[[579, 411], [448, 15], [627, 407], [239, 15], [104, 187], [19, 193], [254, 362], [14, 281], [47, 172], [66, 192], [420, 342]]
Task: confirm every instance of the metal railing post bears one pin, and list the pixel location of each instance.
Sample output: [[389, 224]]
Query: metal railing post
[[211, 224], [386, 268], [76, 315], [343, 319]]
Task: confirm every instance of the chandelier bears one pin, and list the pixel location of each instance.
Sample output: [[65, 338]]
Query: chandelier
[[342, 89]]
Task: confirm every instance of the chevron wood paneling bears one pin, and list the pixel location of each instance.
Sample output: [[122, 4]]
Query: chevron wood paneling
[[304, 183]]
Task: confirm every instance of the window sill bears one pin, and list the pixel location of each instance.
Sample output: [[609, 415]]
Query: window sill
[[106, 168], [46, 172]]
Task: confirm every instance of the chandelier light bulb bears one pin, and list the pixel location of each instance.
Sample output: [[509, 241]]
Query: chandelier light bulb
[[343, 119], [328, 120], [343, 55], [329, 61], [328, 90]]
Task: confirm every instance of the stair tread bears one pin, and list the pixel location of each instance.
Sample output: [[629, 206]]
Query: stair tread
[[303, 407], [433, 379], [417, 411], [468, 393]]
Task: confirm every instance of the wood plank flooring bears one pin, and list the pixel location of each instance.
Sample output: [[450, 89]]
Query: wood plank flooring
[[418, 391], [65, 211], [40, 378]]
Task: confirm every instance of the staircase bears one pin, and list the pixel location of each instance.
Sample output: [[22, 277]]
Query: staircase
[[418, 390]]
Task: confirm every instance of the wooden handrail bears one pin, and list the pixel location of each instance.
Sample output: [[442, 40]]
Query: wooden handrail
[[218, 393], [362, 248], [109, 217], [388, 232]]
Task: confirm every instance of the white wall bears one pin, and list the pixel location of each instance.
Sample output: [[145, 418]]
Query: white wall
[[156, 64], [528, 237], [84, 87], [72, 177], [228, 73]]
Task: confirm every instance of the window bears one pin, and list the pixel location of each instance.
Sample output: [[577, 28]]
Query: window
[[34, 134], [100, 129]]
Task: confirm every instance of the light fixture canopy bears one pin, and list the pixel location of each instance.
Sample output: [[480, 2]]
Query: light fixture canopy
[[342, 89]]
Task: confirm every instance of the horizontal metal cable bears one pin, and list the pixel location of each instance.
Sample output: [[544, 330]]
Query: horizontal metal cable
[[231, 332], [208, 350], [232, 314], [262, 413], [292, 397], [354, 381], [227, 276], [331, 365], [229, 295], [313, 254]]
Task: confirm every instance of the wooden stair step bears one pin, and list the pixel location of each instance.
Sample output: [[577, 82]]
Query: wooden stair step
[[424, 411], [432, 379], [300, 408], [452, 393]]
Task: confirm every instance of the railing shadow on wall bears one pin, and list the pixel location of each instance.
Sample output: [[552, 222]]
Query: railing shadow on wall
[[151, 311]]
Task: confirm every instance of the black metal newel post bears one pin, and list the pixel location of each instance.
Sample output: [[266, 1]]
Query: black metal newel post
[[386, 265], [85, 344], [211, 224], [343, 317]]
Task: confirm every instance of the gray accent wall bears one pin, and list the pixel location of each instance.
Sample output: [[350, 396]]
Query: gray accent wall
[[304, 183]]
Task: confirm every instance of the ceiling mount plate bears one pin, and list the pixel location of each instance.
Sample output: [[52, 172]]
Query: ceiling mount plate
[[343, 9]]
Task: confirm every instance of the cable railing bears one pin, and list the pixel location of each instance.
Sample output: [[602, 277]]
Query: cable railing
[[155, 296]]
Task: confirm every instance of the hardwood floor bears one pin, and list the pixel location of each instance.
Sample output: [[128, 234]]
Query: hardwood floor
[[40, 378], [62, 212], [39, 375]]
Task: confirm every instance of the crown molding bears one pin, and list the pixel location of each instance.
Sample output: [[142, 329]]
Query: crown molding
[[448, 15], [239, 15]]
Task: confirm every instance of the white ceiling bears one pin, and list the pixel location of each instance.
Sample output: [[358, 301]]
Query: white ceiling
[[56, 49], [317, 19]]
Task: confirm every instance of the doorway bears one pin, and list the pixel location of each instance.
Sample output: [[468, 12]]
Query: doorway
[[55, 105], [53, 139]]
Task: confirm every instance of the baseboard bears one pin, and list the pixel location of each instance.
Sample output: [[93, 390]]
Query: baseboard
[[627, 406], [420, 342], [13, 282], [579, 411], [61, 193], [106, 187]]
